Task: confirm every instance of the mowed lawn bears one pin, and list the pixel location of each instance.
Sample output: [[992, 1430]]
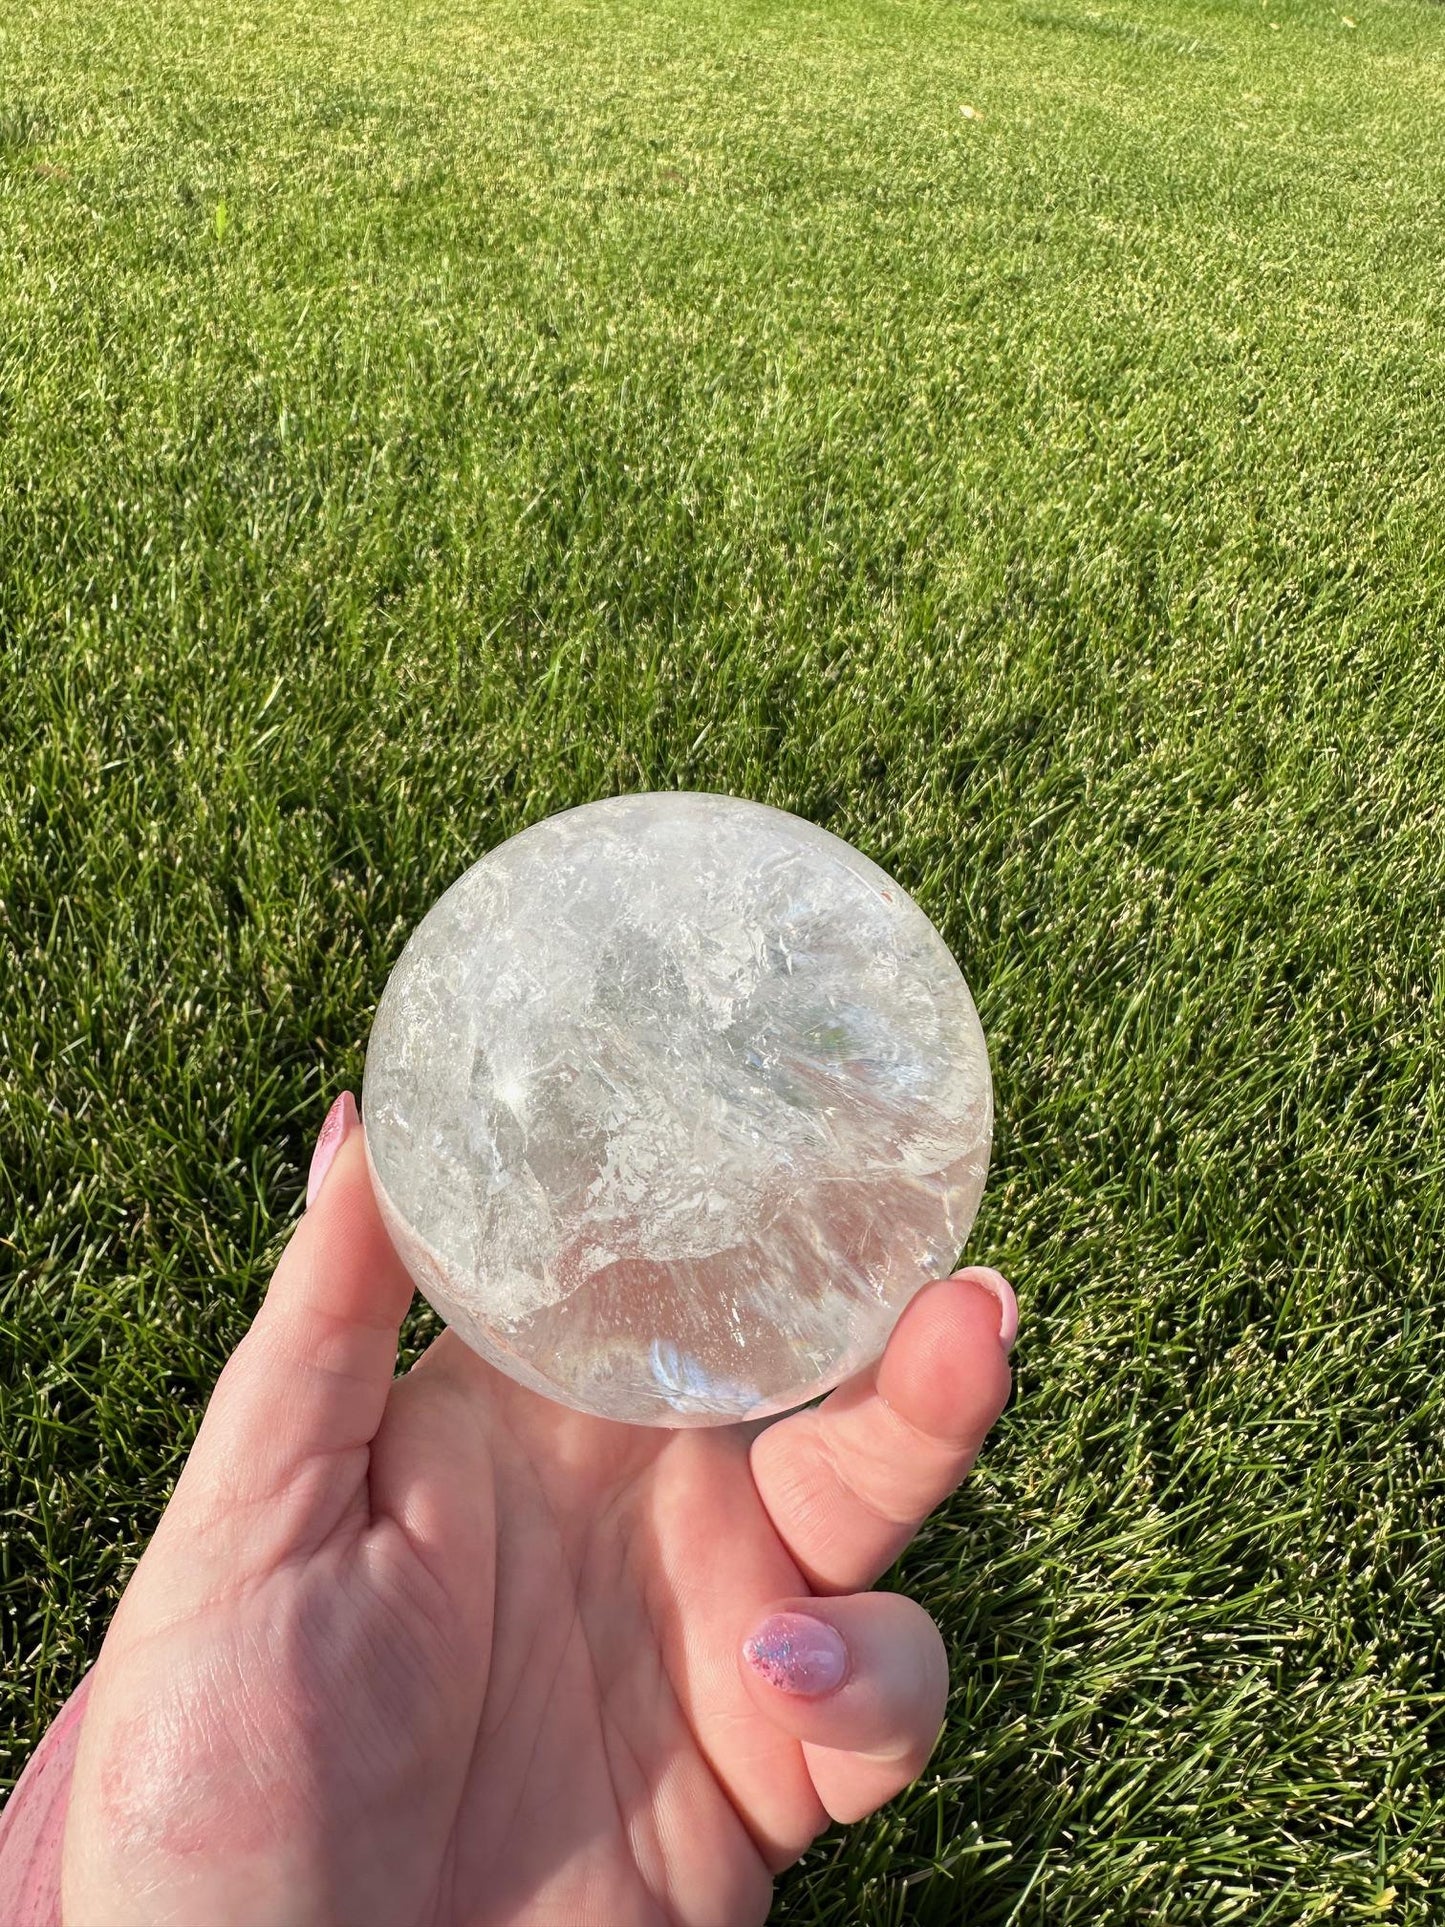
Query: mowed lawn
[[1008, 434]]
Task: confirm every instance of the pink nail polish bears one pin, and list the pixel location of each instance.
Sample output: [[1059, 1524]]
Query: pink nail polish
[[798, 1654], [341, 1120], [995, 1282]]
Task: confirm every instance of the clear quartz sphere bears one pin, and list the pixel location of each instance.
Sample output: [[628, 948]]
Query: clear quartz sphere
[[672, 1103]]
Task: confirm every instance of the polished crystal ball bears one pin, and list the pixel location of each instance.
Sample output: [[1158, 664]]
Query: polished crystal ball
[[672, 1103]]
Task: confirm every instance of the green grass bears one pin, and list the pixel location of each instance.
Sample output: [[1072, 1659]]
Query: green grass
[[414, 420]]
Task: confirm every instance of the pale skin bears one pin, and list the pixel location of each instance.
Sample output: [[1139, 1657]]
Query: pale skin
[[430, 1651]]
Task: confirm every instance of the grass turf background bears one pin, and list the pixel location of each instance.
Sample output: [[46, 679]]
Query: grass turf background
[[416, 420]]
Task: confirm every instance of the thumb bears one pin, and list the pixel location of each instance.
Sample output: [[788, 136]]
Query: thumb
[[861, 1681], [308, 1384]]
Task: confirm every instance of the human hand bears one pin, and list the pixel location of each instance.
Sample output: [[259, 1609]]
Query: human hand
[[432, 1650]]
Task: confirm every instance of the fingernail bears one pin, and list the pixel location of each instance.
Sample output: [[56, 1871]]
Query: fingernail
[[798, 1654], [341, 1121], [1008, 1305]]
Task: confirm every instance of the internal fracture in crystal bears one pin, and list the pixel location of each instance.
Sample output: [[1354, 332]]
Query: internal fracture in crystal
[[672, 1103]]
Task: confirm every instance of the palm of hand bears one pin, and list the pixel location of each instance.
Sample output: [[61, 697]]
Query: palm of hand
[[432, 1650]]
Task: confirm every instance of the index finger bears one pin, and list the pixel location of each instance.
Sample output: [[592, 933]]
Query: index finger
[[308, 1383]]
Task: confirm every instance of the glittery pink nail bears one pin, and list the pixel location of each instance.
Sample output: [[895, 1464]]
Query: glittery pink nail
[[341, 1120], [798, 1654]]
